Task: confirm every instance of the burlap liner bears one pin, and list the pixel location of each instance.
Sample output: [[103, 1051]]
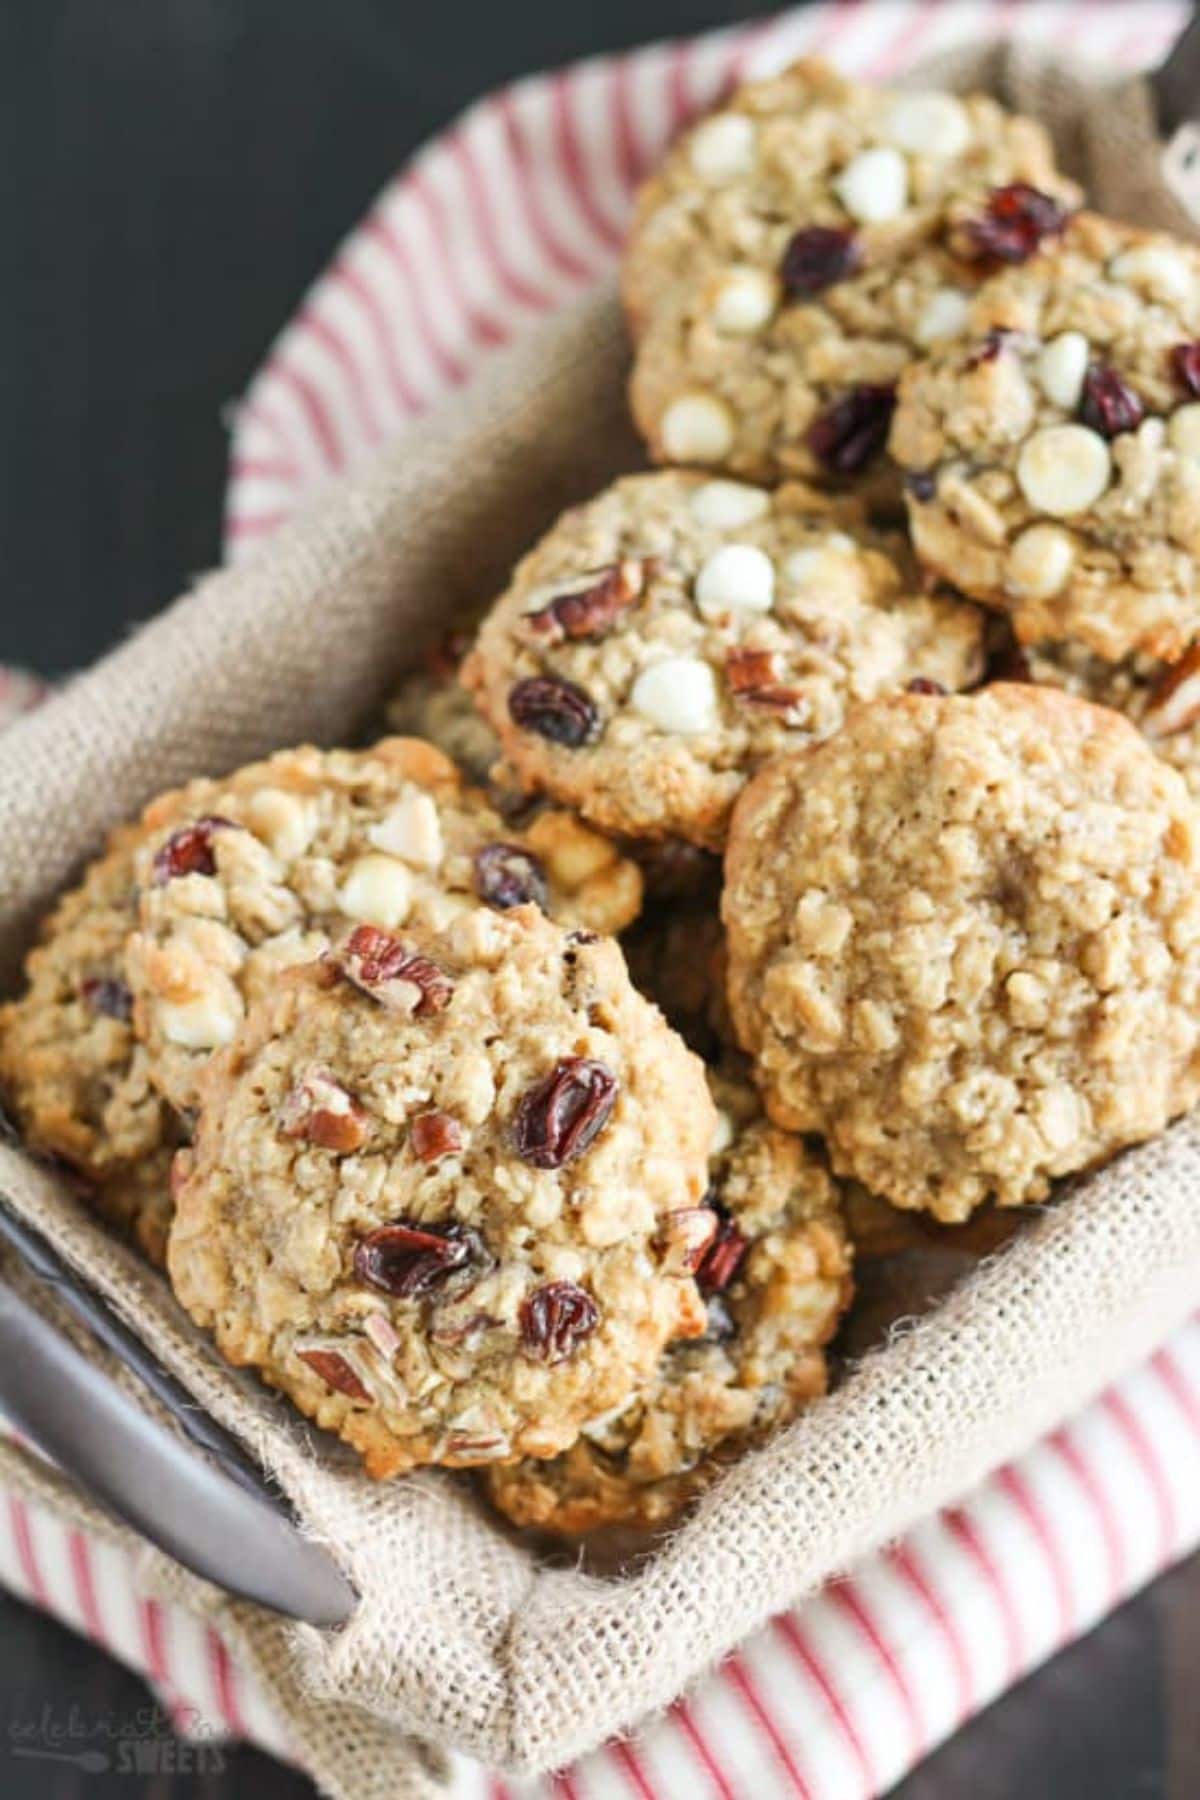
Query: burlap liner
[[461, 1636]]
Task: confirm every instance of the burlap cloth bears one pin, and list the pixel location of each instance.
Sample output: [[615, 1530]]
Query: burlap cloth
[[461, 1637]]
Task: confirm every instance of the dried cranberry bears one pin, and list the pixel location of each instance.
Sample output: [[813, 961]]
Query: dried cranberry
[[560, 1118], [1109, 404], [189, 851], [556, 1319], [817, 258], [389, 970], [993, 343], [1185, 362], [590, 611], [723, 1258], [506, 875], [555, 708], [434, 1135], [922, 485], [925, 684], [103, 994], [406, 1261], [336, 1373], [854, 429], [1018, 217]]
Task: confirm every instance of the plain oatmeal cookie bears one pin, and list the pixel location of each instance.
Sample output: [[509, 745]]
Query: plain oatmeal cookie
[[444, 1190], [964, 943], [72, 1072], [242, 877], [675, 632], [1054, 455], [797, 250], [775, 1273]]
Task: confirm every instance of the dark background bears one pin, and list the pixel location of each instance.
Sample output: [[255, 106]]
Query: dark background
[[173, 173]]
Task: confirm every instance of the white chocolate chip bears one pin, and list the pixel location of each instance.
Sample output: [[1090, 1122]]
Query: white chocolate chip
[[724, 505], [724, 147], [929, 124], [745, 301], [723, 1133], [1061, 369], [873, 187], [285, 822], [736, 578], [677, 694], [1158, 270], [1041, 562], [1064, 469], [411, 830], [207, 1019], [803, 565], [1183, 430], [697, 428], [945, 316], [377, 890]]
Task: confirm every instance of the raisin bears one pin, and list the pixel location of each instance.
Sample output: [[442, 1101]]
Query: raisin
[[556, 1319], [556, 709], [434, 1135], [854, 429], [561, 1116], [189, 851], [590, 611], [506, 875], [103, 994], [723, 1258], [408, 1261], [389, 970], [336, 1373], [1018, 217], [817, 258], [922, 485], [925, 684], [1185, 363], [1109, 404]]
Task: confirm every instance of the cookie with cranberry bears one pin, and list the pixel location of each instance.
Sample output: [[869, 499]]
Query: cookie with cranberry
[[242, 877], [444, 1190], [775, 1274], [675, 632], [964, 943], [1054, 453], [801, 246]]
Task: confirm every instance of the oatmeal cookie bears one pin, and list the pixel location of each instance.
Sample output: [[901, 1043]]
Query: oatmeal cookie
[[775, 1272], [964, 943], [1055, 452], [264, 869], [444, 1190], [72, 1072], [675, 632], [798, 249]]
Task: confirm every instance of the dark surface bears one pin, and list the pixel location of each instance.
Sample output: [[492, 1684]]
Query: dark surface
[[172, 175]]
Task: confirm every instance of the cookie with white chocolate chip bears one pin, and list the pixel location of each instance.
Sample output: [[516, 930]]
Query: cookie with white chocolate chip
[[1055, 453], [673, 633], [775, 1273], [800, 246], [242, 877], [444, 1190], [964, 943]]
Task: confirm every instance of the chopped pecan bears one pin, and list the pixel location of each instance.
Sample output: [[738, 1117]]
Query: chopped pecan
[[392, 972], [1174, 703], [686, 1236], [336, 1372], [434, 1135], [320, 1111], [591, 610], [753, 675]]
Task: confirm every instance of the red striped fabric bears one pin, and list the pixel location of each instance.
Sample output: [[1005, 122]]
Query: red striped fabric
[[513, 211]]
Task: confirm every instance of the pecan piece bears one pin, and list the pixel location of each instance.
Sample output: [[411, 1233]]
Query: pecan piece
[[409, 1260], [556, 1319], [189, 851], [319, 1111], [507, 875], [337, 1373], [753, 677], [434, 1135], [560, 1117], [591, 610], [393, 972], [686, 1236], [723, 1258], [105, 995], [558, 710], [1174, 703]]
